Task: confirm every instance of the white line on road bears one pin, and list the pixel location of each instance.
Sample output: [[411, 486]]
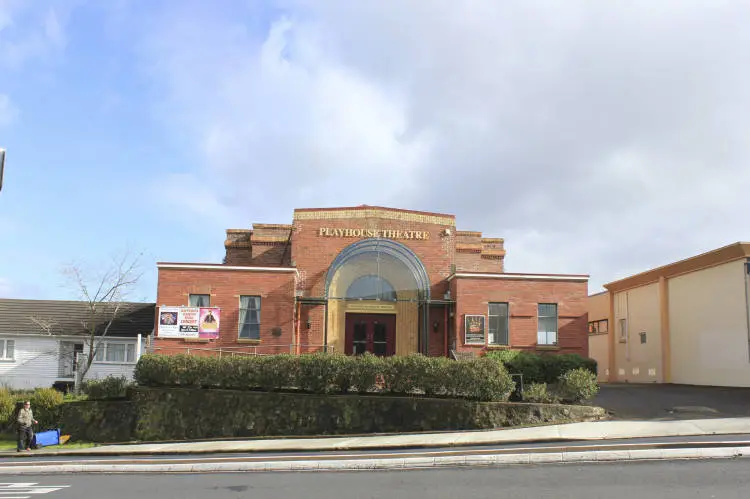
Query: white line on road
[[16, 489]]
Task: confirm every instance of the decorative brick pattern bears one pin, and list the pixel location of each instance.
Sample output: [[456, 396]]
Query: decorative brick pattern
[[375, 212]]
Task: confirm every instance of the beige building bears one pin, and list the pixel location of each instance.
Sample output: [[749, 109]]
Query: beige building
[[598, 333], [687, 322]]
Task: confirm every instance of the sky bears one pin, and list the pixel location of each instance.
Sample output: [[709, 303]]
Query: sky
[[603, 138]]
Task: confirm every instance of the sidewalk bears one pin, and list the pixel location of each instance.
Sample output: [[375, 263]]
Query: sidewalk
[[601, 430]]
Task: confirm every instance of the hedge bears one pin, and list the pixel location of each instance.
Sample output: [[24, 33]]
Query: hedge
[[46, 405], [111, 387], [541, 368], [477, 379]]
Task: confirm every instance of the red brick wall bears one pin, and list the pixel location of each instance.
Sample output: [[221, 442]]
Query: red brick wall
[[437, 338], [270, 255], [313, 253], [276, 290], [311, 340], [474, 294]]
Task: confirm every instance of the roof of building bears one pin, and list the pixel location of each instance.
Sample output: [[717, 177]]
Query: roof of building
[[365, 211], [519, 276], [375, 208], [69, 318], [712, 258], [222, 266]]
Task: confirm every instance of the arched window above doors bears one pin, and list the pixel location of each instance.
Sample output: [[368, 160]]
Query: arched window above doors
[[374, 262], [371, 287]]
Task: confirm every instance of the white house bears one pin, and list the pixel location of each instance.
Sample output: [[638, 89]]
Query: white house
[[42, 341]]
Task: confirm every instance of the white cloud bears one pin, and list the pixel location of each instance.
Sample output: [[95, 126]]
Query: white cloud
[[284, 127], [594, 137]]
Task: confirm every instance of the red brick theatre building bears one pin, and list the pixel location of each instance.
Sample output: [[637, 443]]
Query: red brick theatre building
[[365, 279]]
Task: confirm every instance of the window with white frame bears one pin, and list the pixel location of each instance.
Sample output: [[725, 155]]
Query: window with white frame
[[7, 349], [199, 300], [498, 314], [249, 324], [547, 324], [115, 352]]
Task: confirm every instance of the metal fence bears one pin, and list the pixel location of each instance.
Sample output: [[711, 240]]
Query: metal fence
[[244, 351]]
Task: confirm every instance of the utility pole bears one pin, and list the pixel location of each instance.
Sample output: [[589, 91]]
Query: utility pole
[[2, 166]]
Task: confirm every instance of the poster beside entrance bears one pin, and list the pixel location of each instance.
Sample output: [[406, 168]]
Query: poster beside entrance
[[189, 322], [474, 330]]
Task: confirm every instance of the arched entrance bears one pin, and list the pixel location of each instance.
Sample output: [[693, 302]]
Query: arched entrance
[[377, 292]]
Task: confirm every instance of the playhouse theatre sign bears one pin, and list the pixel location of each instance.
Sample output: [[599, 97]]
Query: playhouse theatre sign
[[385, 233]]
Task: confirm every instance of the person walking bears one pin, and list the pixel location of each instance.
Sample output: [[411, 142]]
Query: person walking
[[25, 432]]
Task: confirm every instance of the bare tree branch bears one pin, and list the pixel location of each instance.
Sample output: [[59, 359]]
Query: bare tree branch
[[45, 325], [105, 305]]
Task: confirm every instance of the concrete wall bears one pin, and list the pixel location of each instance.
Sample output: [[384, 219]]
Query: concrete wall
[[709, 327], [598, 308], [636, 361]]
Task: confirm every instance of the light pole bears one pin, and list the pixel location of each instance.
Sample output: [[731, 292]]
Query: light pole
[[2, 166]]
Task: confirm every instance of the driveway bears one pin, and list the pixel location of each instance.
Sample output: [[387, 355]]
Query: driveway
[[670, 402]]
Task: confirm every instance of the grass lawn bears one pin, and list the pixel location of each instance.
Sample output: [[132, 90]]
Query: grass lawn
[[8, 445]]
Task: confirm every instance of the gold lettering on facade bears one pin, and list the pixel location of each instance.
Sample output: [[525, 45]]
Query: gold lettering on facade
[[385, 233]]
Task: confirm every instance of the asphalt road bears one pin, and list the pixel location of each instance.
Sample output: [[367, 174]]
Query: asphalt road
[[701, 439], [725, 479], [657, 402]]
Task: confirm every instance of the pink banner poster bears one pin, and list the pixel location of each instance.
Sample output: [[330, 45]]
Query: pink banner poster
[[209, 322]]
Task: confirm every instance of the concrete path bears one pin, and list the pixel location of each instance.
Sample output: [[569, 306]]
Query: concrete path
[[601, 430]]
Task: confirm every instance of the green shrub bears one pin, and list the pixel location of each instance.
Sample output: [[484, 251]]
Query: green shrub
[[577, 385], [493, 383], [538, 393], [414, 374], [541, 368], [315, 373], [365, 371], [530, 365], [46, 403], [111, 387], [556, 365], [7, 406], [503, 356], [478, 379]]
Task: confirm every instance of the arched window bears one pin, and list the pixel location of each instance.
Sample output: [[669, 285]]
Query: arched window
[[371, 287]]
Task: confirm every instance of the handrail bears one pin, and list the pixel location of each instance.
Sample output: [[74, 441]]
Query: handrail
[[249, 350]]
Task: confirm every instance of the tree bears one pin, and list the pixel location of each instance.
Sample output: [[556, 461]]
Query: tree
[[104, 298]]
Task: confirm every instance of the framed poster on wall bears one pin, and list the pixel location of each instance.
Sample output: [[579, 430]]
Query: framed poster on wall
[[189, 322], [474, 330]]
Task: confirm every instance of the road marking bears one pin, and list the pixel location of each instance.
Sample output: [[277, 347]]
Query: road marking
[[19, 490]]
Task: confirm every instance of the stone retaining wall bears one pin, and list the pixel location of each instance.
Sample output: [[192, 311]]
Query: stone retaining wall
[[187, 414]]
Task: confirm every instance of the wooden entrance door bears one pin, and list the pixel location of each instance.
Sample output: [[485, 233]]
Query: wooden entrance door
[[374, 333]]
